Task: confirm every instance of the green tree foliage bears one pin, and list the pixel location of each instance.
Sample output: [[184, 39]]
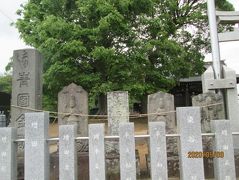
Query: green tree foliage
[[6, 83], [140, 46]]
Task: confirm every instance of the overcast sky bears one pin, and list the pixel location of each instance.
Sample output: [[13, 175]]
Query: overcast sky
[[9, 37]]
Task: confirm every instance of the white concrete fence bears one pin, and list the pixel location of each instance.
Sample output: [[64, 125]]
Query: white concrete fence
[[36, 150]]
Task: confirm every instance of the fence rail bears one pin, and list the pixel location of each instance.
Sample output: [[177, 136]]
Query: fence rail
[[36, 151], [117, 137]]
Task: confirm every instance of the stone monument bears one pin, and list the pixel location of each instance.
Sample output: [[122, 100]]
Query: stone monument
[[118, 112], [163, 104], [161, 108], [73, 108], [212, 108], [26, 93], [26, 86]]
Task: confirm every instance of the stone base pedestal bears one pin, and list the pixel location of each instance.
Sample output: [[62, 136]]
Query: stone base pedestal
[[83, 166], [237, 161], [20, 168], [173, 166], [112, 159], [208, 167], [113, 166]]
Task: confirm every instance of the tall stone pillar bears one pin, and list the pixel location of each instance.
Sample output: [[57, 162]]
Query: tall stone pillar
[[26, 86], [118, 110]]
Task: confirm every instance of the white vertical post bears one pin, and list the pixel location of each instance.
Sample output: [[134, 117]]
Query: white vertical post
[[189, 127], [214, 38], [67, 152], [127, 151], [224, 167], [97, 151], [158, 151], [36, 147], [8, 158]]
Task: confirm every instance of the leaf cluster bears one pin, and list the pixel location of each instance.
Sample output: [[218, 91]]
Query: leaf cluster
[[6, 83]]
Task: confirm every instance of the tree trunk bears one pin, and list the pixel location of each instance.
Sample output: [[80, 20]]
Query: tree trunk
[[102, 104]]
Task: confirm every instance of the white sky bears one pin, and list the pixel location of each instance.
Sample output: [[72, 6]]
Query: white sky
[[9, 37]]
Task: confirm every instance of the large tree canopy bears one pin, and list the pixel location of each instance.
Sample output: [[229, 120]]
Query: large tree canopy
[[141, 46]]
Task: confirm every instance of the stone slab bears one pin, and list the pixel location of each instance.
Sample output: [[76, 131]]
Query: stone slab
[[36, 146], [127, 152], [160, 103], [158, 151], [161, 109], [212, 108], [117, 110], [83, 171], [189, 128], [67, 152], [72, 101], [8, 159], [97, 151], [26, 86], [224, 167]]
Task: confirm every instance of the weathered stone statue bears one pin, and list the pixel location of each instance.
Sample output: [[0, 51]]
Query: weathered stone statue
[[73, 108], [212, 108], [161, 108]]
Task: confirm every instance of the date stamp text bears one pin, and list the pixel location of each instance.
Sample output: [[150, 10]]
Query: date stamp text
[[206, 154]]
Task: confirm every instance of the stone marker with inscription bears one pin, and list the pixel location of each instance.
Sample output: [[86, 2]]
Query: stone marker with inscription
[[118, 110], [127, 151], [73, 110], [161, 102], [158, 151], [26, 86], [67, 152], [72, 101], [97, 151], [161, 109], [36, 162], [8, 165], [212, 108], [224, 166], [188, 124]]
